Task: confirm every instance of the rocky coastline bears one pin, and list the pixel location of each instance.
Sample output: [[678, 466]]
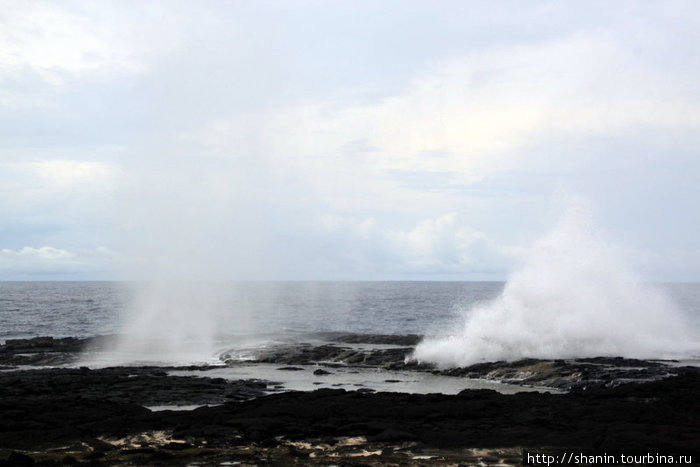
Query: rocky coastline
[[55, 414]]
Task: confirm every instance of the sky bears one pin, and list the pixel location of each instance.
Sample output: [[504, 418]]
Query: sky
[[343, 140]]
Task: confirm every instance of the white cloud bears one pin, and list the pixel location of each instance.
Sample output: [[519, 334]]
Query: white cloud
[[62, 186], [49, 39], [64, 174], [468, 117], [50, 262], [442, 246], [480, 107], [381, 170], [43, 253], [223, 128], [61, 40]]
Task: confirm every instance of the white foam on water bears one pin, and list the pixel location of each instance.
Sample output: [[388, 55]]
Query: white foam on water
[[573, 297]]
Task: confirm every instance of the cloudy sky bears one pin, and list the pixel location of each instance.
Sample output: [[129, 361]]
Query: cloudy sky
[[343, 140]]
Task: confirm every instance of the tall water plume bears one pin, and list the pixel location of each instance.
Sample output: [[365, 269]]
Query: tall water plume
[[167, 322], [573, 297], [192, 223]]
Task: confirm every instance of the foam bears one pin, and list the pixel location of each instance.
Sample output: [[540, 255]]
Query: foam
[[573, 297]]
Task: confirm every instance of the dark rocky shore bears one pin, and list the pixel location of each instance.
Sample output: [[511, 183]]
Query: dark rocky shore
[[57, 416]]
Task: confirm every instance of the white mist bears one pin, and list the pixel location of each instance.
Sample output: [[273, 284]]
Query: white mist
[[169, 322], [191, 224], [573, 297]]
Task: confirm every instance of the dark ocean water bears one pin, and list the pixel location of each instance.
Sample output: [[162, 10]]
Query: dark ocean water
[[95, 308], [60, 309], [81, 309]]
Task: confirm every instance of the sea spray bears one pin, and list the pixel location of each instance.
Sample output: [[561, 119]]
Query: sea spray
[[190, 222], [573, 297], [170, 322]]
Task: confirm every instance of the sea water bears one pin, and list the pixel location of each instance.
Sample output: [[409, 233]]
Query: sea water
[[84, 309]]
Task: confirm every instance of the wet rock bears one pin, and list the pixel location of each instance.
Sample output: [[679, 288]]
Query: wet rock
[[332, 354], [612, 403], [580, 374], [19, 459], [577, 374], [95, 455], [387, 339], [46, 350], [144, 385], [65, 410]]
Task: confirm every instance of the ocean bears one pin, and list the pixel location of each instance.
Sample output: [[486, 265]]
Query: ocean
[[208, 323], [84, 309]]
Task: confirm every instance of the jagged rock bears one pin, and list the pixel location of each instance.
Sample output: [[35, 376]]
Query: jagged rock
[[43, 410]]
